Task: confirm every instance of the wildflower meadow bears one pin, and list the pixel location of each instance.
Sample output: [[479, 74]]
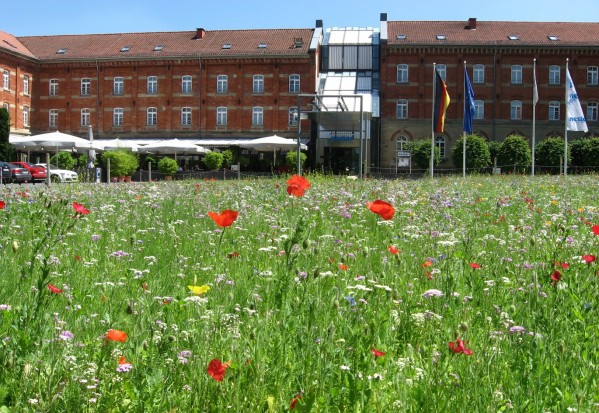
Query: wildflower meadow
[[305, 294]]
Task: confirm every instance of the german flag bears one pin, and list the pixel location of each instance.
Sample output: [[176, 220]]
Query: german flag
[[440, 103]]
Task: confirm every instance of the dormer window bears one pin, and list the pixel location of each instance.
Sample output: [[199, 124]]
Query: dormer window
[[158, 48], [513, 37], [298, 42], [125, 49], [62, 51], [441, 37], [262, 46], [553, 38], [227, 46], [401, 37]]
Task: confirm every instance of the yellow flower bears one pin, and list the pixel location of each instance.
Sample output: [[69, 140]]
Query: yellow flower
[[198, 290], [554, 202]]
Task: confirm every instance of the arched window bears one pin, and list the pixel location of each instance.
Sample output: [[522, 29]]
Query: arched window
[[440, 143], [186, 85], [516, 110], [152, 117], [401, 110]]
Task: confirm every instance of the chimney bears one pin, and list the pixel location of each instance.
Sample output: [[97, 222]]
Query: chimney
[[383, 17], [471, 23], [319, 24], [200, 33]]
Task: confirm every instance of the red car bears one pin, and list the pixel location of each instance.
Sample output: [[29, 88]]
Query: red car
[[38, 173]]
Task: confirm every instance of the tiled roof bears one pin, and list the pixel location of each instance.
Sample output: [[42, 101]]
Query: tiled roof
[[13, 45], [142, 45], [492, 32]]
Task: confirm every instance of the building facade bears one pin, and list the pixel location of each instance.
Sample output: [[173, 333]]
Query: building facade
[[360, 94]]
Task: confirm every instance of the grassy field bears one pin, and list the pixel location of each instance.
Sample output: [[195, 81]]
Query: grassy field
[[475, 295]]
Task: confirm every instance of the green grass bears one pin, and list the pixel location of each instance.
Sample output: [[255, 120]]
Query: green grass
[[301, 291]]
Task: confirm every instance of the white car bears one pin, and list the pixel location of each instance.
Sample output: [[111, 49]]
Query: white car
[[61, 175]]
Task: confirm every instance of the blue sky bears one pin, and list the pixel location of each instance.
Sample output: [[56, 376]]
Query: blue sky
[[41, 17]]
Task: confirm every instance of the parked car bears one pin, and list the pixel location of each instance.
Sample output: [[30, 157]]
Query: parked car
[[38, 173], [18, 174], [60, 175], [5, 173]]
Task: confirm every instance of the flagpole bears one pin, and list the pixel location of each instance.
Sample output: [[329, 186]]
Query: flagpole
[[534, 112], [566, 122], [464, 135], [432, 160]]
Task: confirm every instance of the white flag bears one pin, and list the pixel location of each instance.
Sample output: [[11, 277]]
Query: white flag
[[575, 119]]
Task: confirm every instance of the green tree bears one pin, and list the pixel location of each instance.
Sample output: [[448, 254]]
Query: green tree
[[515, 151], [6, 149], [122, 163], [63, 160], [421, 153], [168, 166], [291, 160], [549, 154], [228, 157], [585, 151], [478, 155], [213, 160], [494, 147]]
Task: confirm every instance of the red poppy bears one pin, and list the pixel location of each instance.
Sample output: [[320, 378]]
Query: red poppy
[[393, 250], [382, 208], [377, 353], [80, 209], [123, 360], [564, 265], [225, 218], [216, 369], [2, 204], [343, 267], [588, 258], [54, 289], [556, 277], [116, 335], [595, 229], [427, 264], [459, 347], [474, 265], [297, 185], [294, 402]]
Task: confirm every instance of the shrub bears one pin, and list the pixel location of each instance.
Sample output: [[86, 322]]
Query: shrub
[[585, 151], [227, 158], [122, 163], [6, 149], [213, 160], [515, 151], [421, 153], [478, 155], [549, 152], [63, 160], [494, 147], [168, 166], [291, 160]]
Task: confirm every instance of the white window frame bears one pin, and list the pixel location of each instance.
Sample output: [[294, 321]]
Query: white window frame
[[441, 143], [152, 116], [152, 85], [554, 110], [85, 117], [478, 74], [53, 87], [257, 116], [6, 80], [25, 116], [554, 75], [186, 116], [221, 116], [592, 76], [516, 76], [442, 69], [516, 110], [26, 85], [401, 143], [294, 83], [118, 115], [401, 109], [53, 118], [118, 87], [222, 84], [293, 116], [592, 111], [186, 85], [479, 109], [258, 84], [403, 73], [86, 86]]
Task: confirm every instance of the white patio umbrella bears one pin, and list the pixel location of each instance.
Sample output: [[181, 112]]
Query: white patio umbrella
[[52, 141], [115, 144], [272, 143], [173, 146]]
